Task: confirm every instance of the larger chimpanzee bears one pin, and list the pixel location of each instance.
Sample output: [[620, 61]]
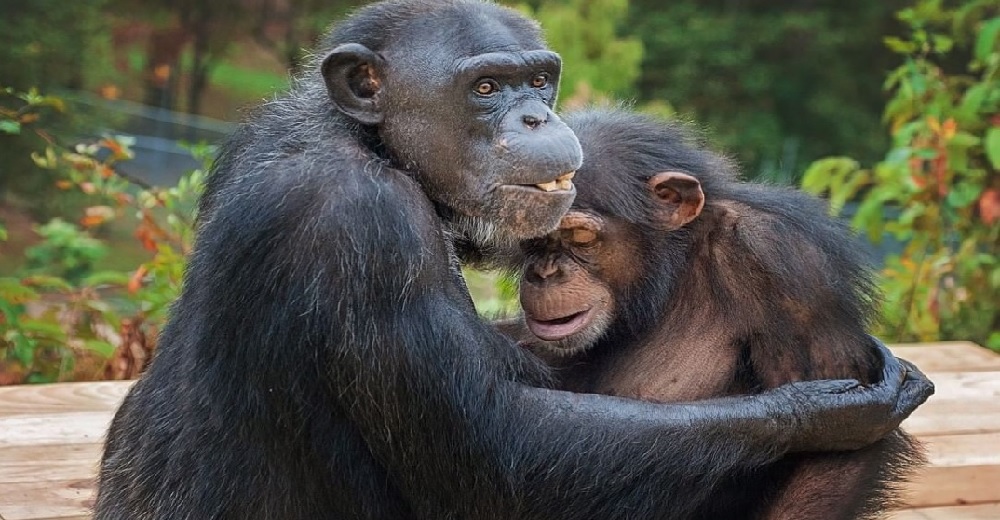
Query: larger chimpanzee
[[670, 281], [325, 360]]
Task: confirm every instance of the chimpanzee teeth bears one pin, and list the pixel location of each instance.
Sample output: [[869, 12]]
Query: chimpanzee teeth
[[562, 182]]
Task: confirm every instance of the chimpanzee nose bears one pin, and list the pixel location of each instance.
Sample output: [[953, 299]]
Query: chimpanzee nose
[[545, 270], [532, 121]]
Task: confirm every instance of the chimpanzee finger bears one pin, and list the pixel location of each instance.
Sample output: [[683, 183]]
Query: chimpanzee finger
[[839, 386], [916, 390], [893, 372]]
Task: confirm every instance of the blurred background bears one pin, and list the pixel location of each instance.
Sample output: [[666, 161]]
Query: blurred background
[[110, 109]]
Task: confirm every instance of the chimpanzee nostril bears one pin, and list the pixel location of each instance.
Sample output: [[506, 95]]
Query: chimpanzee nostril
[[532, 122]]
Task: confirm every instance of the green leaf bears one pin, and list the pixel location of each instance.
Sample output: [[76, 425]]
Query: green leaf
[[24, 347], [824, 174], [105, 278], [899, 45], [964, 140], [993, 341], [986, 43], [942, 43], [44, 329], [10, 127], [101, 347], [48, 282], [992, 145], [972, 101], [963, 194], [11, 290]]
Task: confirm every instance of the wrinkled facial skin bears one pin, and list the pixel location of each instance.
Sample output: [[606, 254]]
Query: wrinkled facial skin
[[476, 130], [566, 285]]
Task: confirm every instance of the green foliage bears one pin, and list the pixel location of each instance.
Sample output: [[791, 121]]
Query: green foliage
[[49, 43], [66, 252], [779, 83], [941, 175], [597, 59], [61, 318]]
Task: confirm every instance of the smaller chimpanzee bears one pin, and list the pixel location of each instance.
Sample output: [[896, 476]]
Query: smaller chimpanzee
[[670, 281]]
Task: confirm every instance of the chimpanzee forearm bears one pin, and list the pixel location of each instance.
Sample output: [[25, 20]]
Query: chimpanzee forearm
[[556, 445]]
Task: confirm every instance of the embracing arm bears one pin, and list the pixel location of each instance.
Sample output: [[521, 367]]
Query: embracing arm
[[438, 397]]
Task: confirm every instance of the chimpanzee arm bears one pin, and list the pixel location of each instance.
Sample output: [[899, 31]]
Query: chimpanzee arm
[[435, 391]]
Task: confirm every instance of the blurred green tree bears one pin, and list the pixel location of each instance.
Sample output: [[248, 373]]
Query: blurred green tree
[[48, 44], [941, 176], [597, 58], [778, 82]]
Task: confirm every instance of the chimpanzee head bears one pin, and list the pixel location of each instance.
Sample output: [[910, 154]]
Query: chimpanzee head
[[610, 267], [461, 95]]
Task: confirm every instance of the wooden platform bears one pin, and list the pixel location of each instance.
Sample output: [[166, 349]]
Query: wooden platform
[[50, 439]]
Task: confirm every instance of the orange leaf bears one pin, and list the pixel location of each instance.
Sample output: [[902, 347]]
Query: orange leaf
[[989, 206], [88, 188], [64, 184], [949, 129], [111, 144], [97, 215], [28, 118], [146, 238], [90, 221], [135, 281]]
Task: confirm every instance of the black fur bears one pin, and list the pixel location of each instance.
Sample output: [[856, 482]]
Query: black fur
[[325, 360], [755, 252]]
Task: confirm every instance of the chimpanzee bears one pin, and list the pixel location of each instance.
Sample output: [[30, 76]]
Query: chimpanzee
[[669, 280], [324, 359]]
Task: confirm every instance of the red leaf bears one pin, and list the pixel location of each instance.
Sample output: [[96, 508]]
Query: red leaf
[[989, 206]]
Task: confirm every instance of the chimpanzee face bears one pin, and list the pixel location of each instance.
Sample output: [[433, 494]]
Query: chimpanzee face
[[476, 129]]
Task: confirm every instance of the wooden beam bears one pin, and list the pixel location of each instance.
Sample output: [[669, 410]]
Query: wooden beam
[[47, 499], [949, 356], [979, 512], [62, 397], [963, 469], [54, 428]]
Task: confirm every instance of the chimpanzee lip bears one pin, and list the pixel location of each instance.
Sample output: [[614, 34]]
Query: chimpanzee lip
[[558, 328], [561, 184]]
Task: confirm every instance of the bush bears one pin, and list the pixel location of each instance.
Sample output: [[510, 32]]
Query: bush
[[941, 175], [61, 318]]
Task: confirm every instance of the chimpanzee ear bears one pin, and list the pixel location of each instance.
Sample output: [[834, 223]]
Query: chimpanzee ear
[[353, 74], [678, 198]]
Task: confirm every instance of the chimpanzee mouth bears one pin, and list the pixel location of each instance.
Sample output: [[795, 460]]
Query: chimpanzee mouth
[[558, 328], [563, 182]]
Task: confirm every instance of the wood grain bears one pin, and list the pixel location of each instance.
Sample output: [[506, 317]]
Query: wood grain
[[51, 435]]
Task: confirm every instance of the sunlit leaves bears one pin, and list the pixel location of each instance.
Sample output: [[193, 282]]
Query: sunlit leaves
[[61, 308], [939, 182]]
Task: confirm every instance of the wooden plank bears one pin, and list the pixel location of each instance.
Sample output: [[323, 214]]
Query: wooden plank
[[978, 512], [949, 356], [54, 428], [964, 403], [963, 469], [50, 499], [62, 397], [47, 463]]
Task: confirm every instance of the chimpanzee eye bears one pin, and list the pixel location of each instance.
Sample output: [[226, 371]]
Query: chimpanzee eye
[[579, 236], [583, 236], [487, 87], [540, 80]]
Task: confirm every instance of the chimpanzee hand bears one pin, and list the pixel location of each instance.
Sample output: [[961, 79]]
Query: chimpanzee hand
[[844, 415]]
